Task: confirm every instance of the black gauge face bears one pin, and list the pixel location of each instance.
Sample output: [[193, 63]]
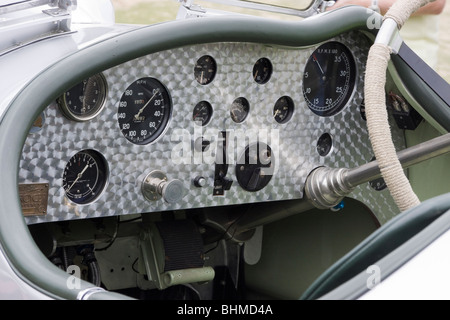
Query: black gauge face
[[85, 176], [329, 79], [239, 109], [202, 113], [324, 144], [262, 70], [283, 109], [144, 111], [205, 70], [85, 100]]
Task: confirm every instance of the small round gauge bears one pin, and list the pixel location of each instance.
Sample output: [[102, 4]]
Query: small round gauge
[[262, 70], [283, 109], [324, 144], [329, 78], [202, 113], [205, 70], [85, 100], [239, 109], [144, 111], [85, 176]]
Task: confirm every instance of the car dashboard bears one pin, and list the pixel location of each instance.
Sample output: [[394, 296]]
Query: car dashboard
[[172, 161], [226, 124]]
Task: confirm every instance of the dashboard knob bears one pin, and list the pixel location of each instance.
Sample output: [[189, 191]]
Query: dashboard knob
[[199, 182], [156, 186]]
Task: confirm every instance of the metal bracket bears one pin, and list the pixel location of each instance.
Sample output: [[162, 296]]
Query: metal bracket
[[26, 22], [189, 9], [389, 35]]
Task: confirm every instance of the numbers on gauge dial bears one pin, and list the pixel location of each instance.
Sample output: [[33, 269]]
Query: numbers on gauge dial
[[202, 113], [329, 78], [283, 109], [144, 111], [239, 109], [85, 176], [85, 100], [205, 70]]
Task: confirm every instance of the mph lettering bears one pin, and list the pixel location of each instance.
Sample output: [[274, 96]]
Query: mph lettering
[[250, 309]]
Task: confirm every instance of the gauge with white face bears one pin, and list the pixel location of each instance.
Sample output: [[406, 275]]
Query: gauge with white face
[[329, 78]]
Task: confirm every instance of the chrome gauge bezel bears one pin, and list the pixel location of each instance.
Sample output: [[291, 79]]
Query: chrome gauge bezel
[[66, 105]]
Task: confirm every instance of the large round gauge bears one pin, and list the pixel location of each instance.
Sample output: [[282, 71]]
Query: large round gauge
[[85, 176], [329, 78], [85, 100], [144, 111], [205, 70]]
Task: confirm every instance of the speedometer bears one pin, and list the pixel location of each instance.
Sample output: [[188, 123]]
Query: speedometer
[[144, 111], [329, 78]]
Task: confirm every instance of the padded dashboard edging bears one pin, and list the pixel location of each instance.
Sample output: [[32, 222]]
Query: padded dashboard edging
[[15, 239]]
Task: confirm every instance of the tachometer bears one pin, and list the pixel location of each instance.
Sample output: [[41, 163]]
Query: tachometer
[[329, 78], [144, 111]]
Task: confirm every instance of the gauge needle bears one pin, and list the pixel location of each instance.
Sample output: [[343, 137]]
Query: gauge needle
[[145, 106], [276, 113], [78, 177], [196, 115], [83, 103], [318, 64]]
